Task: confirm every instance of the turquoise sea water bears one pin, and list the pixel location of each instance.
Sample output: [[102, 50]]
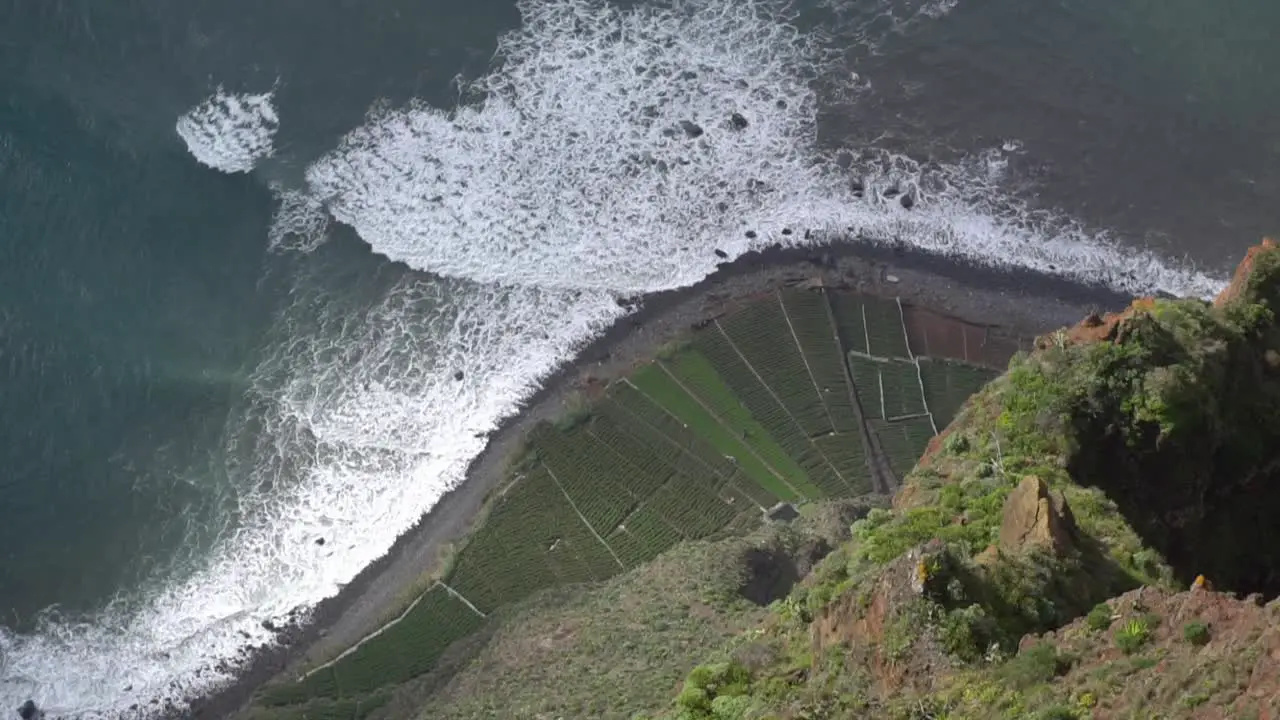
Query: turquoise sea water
[[183, 397]]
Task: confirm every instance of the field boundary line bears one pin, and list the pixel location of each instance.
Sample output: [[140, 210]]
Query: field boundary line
[[803, 433], [728, 479], [924, 401], [791, 328], [370, 636], [582, 517], [728, 429], [461, 598]]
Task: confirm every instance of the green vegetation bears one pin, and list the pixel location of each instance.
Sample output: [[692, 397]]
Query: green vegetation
[[1132, 635], [1196, 633], [758, 407]]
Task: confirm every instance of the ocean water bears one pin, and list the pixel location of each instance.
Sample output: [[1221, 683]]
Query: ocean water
[[246, 249]]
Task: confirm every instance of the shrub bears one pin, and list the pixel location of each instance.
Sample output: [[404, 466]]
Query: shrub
[[1099, 618], [1196, 633], [707, 687], [1133, 635], [1057, 712]]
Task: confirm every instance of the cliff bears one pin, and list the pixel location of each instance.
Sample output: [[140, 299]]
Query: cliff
[[1032, 563]]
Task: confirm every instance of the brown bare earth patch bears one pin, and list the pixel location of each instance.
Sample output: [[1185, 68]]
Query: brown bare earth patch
[[935, 334]]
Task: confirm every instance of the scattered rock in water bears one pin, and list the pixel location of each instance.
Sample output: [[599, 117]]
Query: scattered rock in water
[[721, 254], [844, 160], [782, 104], [270, 626], [786, 231], [751, 234], [738, 122], [722, 206], [320, 541], [907, 201], [28, 710], [891, 193], [691, 128], [458, 375]]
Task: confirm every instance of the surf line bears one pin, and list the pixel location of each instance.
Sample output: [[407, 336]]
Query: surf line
[[391, 624]]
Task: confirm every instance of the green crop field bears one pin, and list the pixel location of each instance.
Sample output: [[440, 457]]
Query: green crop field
[[787, 400]]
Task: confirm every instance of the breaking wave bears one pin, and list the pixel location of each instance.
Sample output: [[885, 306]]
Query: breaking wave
[[611, 153], [231, 132]]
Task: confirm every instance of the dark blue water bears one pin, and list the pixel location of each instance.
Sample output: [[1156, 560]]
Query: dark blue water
[[137, 288]]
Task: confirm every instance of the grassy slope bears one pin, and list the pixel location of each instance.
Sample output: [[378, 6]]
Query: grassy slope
[[1158, 428], [757, 407]]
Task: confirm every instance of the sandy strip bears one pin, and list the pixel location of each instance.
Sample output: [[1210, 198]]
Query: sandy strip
[[1023, 303]]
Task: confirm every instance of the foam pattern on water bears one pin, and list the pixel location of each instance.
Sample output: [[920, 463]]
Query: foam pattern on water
[[581, 166], [363, 427], [577, 175], [231, 132]]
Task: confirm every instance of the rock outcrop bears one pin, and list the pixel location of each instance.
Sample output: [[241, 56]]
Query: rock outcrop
[[1123, 457]]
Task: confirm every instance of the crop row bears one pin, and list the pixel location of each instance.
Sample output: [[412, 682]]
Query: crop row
[[594, 482], [904, 441], [900, 383], [810, 318], [948, 384], [765, 408], [407, 650], [677, 431], [761, 333], [642, 536], [665, 390], [697, 375]]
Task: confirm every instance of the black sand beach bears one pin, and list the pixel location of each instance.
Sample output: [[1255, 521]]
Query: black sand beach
[[1018, 302]]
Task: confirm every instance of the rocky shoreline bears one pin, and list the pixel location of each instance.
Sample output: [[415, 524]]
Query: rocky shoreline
[[1022, 302]]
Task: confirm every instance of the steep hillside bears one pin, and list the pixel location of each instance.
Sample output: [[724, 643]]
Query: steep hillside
[[797, 396], [1135, 450]]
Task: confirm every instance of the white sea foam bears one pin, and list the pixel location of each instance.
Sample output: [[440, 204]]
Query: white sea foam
[[364, 428], [576, 159], [572, 179], [231, 132]]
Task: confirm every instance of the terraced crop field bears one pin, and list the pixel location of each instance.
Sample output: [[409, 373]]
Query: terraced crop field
[[789, 399]]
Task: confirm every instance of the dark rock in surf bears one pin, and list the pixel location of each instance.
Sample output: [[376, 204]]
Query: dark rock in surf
[[738, 122], [691, 129], [751, 234], [892, 192], [29, 711], [320, 541], [907, 202], [786, 231], [844, 161], [721, 254], [459, 375], [270, 626]]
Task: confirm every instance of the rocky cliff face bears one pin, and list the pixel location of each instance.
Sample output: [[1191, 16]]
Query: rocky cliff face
[[1128, 454]]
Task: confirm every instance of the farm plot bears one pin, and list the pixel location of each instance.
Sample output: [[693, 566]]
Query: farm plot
[[642, 536], [405, 651], [761, 333], [695, 509], [662, 388], [900, 383], [588, 473], [885, 332], [811, 320], [851, 324], [696, 374], [534, 539], [936, 335], [865, 372], [766, 409], [695, 457], [948, 385], [903, 441]]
